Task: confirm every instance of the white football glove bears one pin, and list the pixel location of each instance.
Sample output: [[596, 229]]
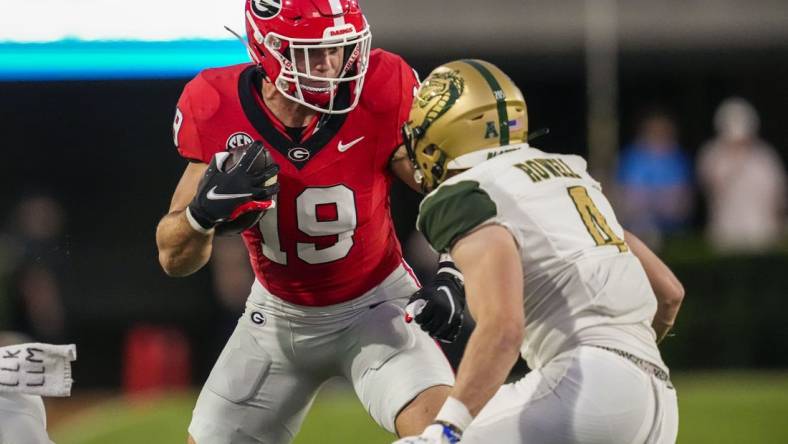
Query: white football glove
[[437, 433]]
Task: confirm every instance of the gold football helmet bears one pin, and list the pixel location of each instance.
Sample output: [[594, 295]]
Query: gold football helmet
[[465, 112]]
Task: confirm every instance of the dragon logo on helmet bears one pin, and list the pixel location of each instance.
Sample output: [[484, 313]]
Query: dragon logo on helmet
[[441, 91], [266, 9]]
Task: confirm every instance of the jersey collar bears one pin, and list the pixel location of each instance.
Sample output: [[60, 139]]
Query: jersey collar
[[273, 131]]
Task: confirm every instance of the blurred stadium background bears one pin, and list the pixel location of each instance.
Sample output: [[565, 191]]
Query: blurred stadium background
[[87, 95]]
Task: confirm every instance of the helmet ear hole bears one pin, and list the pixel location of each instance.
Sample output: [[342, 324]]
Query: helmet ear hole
[[480, 116], [437, 172]]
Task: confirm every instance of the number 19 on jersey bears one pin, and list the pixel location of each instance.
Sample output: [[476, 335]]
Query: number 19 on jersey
[[309, 223]]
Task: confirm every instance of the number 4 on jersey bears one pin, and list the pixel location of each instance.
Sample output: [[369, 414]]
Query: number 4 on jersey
[[595, 222]]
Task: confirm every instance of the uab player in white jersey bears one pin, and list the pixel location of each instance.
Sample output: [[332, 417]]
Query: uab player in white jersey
[[549, 272]]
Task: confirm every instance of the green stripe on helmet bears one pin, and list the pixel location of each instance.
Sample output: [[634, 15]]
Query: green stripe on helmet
[[500, 99]]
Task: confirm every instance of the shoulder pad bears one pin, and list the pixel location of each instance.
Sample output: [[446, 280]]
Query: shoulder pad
[[209, 87], [452, 210], [202, 100], [388, 79]]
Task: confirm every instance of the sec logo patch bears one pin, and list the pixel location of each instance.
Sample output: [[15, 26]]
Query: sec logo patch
[[258, 318], [238, 139]]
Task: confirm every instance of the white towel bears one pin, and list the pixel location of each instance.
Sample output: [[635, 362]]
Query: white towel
[[37, 369]]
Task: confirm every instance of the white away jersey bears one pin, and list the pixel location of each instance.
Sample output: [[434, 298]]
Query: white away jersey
[[582, 284]]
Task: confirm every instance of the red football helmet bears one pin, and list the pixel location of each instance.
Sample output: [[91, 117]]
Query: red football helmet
[[287, 36]]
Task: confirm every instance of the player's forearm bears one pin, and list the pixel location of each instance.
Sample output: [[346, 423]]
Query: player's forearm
[[491, 353], [182, 250], [490, 262], [666, 286], [664, 319]]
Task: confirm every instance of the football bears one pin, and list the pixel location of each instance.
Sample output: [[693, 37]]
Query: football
[[251, 213]]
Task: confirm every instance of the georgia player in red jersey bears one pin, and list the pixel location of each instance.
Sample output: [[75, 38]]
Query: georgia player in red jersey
[[331, 282]]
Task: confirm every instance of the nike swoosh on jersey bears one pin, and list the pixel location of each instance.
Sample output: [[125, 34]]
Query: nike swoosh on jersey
[[344, 147], [213, 195]]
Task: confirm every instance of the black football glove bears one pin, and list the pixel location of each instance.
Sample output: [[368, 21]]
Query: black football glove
[[225, 194], [439, 307]]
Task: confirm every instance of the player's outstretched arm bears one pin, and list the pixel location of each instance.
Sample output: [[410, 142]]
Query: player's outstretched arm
[[491, 265], [490, 261], [666, 286], [182, 249]]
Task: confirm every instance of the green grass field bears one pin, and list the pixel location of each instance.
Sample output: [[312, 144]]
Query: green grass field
[[717, 408]]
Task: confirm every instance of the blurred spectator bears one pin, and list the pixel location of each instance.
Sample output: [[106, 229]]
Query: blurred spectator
[[744, 181], [37, 260], [655, 181]]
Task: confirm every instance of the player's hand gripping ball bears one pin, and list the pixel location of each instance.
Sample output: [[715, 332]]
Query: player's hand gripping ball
[[237, 189], [249, 214]]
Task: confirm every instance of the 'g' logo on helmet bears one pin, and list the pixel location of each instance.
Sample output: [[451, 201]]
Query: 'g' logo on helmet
[[266, 9]]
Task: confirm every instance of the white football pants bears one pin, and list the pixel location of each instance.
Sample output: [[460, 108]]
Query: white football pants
[[281, 354], [586, 395], [23, 419]]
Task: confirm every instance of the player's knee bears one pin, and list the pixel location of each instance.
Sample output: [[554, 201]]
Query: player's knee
[[420, 412], [191, 440]]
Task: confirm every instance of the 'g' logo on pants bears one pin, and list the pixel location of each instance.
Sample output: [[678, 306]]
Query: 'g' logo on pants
[[258, 318]]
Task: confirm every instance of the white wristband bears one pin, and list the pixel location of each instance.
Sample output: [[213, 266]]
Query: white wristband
[[454, 412], [445, 257], [196, 225]]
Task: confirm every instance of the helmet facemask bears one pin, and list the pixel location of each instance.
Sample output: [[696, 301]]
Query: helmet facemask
[[296, 58], [429, 162]]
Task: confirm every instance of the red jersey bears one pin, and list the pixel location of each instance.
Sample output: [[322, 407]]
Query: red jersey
[[331, 237]]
